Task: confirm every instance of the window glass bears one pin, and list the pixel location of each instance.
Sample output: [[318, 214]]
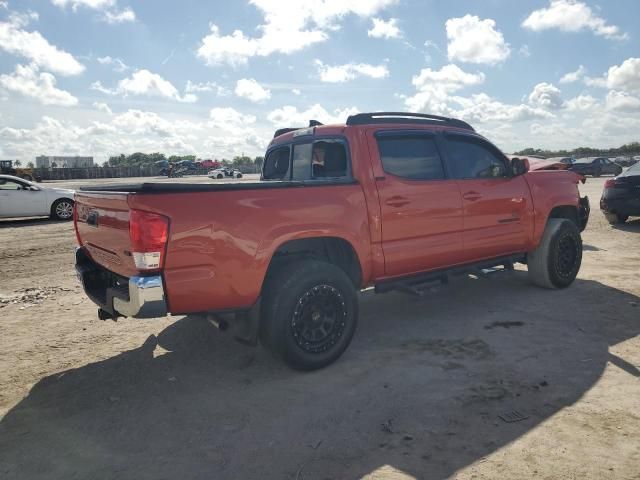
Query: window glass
[[10, 185], [414, 157], [329, 159], [302, 161], [471, 159], [276, 165]]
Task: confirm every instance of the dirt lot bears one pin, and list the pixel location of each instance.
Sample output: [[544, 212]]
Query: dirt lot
[[419, 393]]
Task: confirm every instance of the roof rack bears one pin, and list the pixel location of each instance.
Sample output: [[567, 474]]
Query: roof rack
[[405, 117], [282, 131]]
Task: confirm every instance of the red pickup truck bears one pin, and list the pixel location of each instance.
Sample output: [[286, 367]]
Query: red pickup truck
[[389, 200]]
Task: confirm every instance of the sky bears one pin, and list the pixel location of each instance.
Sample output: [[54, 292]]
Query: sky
[[215, 79]]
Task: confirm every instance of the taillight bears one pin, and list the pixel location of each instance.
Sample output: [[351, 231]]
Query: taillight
[[611, 183], [75, 223], [148, 233]]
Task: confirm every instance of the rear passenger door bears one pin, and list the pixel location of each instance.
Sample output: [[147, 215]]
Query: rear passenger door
[[421, 208], [497, 205]]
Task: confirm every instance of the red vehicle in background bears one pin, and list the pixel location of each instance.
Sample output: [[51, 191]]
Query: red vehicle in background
[[210, 164], [394, 201]]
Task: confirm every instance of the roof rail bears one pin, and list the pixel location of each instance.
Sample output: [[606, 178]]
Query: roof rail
[[282, 131], [405, 117]]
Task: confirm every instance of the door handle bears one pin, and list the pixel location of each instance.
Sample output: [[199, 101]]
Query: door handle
[[472, 196], [397, 201]]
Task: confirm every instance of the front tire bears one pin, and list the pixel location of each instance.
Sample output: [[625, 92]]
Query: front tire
[[220, 176], [309, 313], [556, 261], [62, 209], [615, 218]]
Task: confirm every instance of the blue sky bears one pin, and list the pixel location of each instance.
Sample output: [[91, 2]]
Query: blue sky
[[102, 77]]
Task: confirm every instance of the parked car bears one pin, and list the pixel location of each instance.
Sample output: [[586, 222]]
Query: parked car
[[563, 160], [186, 166], [225, 172], [395, 201], [162, 166], [626, 161], [621, 196], [21, 198], [596, 166]]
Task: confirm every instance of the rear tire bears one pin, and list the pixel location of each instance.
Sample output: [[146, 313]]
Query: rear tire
[[309, 313], [615, 218], [239, 175], [220, 176], [62, 209], [556, 261]]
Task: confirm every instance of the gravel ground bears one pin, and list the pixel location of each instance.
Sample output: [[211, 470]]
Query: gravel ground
[[423, 391]]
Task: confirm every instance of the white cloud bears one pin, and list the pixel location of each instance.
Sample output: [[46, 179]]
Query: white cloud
[[581, 102], [545, 95], [350, 71], [475, 41], [625, 76], [34, 47], [118, 65], [207, 87], [75, 4], [288, 27], [102, 107], [524, 51], [111, 14], [482, 108], [571, 16], [4, 4], [229, 118], [290, 116], [385, 29], [119, 16], [41, 86], [574, 76], [622, 101], [296, 91], [144, 82], [251, 90], [435, 86]]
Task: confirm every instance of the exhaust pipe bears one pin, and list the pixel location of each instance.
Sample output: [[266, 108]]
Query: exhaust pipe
[[217, 321]]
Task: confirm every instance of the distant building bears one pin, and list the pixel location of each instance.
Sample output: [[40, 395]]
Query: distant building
[[64, 162]]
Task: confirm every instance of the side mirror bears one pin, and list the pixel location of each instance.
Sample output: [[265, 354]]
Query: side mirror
[[519, 166]]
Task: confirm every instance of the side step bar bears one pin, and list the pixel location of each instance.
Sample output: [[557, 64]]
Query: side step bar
[[420, 285]]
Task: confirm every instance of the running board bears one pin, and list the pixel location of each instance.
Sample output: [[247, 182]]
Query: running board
[[422, 284]]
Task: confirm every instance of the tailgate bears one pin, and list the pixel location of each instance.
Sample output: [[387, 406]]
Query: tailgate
[[103, 229]]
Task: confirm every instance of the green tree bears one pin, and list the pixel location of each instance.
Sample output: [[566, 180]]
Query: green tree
[[30, 165], [17, 163]]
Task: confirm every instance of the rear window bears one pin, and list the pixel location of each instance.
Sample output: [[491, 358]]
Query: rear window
[[276, 165], [410, 156]]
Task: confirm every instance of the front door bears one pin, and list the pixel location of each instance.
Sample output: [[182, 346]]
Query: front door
[[17, 200], [421, 208], [497, 206]]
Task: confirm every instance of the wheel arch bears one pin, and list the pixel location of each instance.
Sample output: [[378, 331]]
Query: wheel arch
[[332, 249], [569, 212]]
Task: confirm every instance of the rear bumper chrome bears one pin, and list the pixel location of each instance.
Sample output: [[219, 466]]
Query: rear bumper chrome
[[138, 297]]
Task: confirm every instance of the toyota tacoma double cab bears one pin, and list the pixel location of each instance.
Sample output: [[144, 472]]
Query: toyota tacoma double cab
[[388, 200]]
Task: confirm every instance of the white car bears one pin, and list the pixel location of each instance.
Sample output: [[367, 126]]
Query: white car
[[21, 198], [225, 172]]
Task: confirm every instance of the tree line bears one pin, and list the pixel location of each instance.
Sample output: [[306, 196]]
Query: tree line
[[626, 150], [139, 158]]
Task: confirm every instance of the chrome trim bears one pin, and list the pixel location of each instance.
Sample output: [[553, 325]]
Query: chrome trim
[[146, 298]]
